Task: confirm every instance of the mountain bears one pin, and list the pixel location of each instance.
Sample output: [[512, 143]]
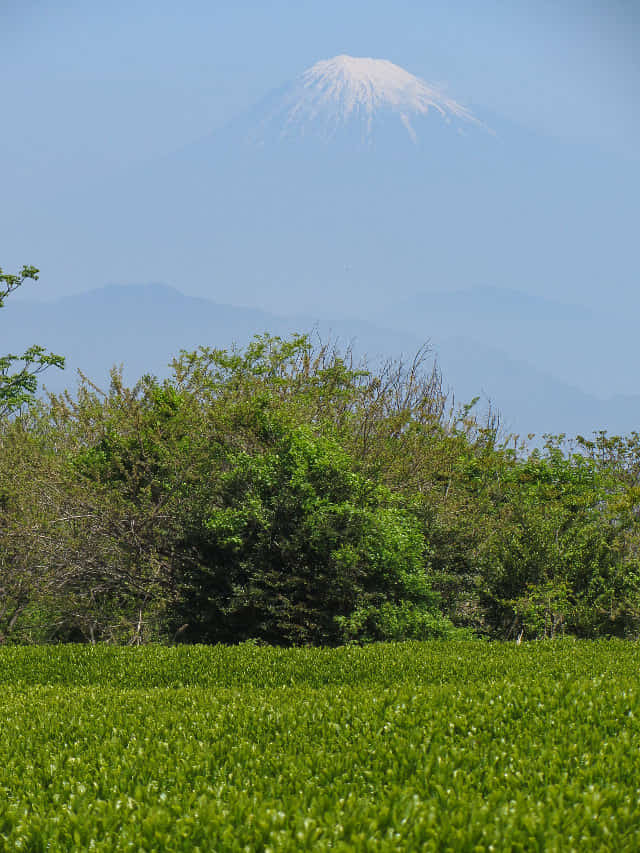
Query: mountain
[[144, 326], [284, 213], [359, 190], [141, 327], [560, 338], [354, 96]]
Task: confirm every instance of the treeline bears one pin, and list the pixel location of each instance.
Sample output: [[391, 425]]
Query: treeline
[[285, 494]]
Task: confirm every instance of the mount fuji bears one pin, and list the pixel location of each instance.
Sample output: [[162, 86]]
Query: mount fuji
[[353, 96], [358, 190], [354, 180]]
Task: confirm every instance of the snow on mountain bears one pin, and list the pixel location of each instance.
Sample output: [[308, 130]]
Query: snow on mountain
[[338, 214], [355, 91]]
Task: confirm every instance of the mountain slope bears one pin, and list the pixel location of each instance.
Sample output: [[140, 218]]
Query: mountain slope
[[563, 339], [320, 202], [302, 223], [354, 94], [143, 326]]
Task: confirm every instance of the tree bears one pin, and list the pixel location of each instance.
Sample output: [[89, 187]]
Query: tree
[[558, 558], [283, 493], [17, 387], [291, 545]]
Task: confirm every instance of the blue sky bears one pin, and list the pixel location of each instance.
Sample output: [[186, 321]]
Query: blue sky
[[91, 90], [125, 80]]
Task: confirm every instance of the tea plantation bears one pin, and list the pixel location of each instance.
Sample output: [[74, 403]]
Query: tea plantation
[[417, 746]]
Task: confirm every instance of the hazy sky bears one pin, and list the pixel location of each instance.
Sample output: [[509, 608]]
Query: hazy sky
[[94, 91], [89, 89], [127, 79]]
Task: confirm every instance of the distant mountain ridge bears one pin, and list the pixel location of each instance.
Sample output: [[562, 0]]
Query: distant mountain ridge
[[562, 339], [399, 234], [144, 326]]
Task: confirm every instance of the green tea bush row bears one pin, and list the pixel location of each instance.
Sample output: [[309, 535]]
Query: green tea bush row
[[537, 752], [434, 662], [440, 747]]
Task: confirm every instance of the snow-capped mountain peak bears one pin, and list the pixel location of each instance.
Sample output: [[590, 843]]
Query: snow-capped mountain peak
[[348, 90]]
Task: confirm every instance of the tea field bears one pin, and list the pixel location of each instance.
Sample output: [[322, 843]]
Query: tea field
[[441, 746]]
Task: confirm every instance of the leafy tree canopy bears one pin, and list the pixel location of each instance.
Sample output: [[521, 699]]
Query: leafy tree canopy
[[17, 386]]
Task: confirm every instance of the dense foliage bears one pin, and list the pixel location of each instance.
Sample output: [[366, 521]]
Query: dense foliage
[[285, 494], [418, 746], [282, 494]]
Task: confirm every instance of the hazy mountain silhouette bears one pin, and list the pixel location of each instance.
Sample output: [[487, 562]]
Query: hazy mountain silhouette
[[562, 339], [144, 326], [345, 193], [340, 199]]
